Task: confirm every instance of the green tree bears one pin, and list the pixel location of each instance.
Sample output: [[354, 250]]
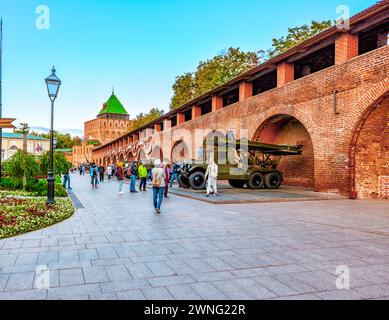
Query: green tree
[[212, 73], [183, 90], [297, 35], [61, 164], [64, 141], [22, 166], [143, 119]]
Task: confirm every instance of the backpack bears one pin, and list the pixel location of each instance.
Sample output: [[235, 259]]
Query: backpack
[[156, 180]]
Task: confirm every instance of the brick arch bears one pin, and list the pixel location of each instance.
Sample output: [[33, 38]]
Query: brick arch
[[369, 147], [286, 129], [181, 147]]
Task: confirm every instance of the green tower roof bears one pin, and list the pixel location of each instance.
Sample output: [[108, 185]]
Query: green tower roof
[[113, 106]]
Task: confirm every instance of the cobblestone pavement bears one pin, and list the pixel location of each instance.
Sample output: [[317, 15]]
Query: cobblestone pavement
[[116, 247]]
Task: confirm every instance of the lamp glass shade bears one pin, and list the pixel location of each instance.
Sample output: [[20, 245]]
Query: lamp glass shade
[[53, 83]]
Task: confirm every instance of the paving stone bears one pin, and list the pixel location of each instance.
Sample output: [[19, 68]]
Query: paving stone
[[139, 271], [131, 295], [124, 285], [117, 272], [71, 277], [275, 286], [183, 292], [160, 269], [94, 274], [254, 288], [212, 276], [79, 292], [208, 291], [157, 294], [232, 290], [20, 281], [169, 281]]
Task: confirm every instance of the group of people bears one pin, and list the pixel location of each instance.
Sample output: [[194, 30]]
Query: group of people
[[162, 177]]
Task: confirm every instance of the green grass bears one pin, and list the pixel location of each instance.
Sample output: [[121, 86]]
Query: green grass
[[20, 213]]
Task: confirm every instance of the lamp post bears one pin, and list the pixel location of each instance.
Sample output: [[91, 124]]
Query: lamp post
[[53, 83]]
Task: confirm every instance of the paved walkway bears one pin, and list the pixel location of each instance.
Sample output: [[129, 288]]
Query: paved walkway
[[117, 248]]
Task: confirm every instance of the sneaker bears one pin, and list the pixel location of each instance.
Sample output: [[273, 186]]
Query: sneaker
[[207, 195], [121, 192], [158, 211]]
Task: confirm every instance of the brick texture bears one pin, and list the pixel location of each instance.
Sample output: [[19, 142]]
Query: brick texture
[[327, 136]]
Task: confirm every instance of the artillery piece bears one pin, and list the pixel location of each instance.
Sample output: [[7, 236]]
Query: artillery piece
[[241, 162]]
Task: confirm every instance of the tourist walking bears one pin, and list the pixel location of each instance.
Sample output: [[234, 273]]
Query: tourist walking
[[80, 169], [133, 172], [101, 173], [66, 180], [94, 171], [175, 173], [159, 178], [142, 172], [212, 174], [120, 176], [167, 173], [109, 172]]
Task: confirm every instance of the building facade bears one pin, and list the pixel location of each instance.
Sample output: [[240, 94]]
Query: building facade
[[12, 142], [329, 94], [111, 122]]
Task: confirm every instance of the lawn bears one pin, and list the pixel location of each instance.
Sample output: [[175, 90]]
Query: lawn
[[20, 212]]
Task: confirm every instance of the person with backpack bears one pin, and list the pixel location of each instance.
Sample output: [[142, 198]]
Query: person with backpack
[[159, 178], [94, 173], [142, 171], [120, 177], [133, 174]]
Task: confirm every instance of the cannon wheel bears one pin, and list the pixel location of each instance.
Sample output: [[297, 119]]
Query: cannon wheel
[[239, 184], [197, 180], [257, 181], [273, 180], [183, 182]]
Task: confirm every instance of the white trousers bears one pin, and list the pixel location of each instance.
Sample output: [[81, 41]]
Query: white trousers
[[212, 185]]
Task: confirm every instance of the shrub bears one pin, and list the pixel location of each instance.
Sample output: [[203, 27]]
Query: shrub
[[22, 167], [61, 164]]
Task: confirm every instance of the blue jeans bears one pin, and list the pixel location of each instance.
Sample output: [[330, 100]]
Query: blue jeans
[[133, 181], [173, 178], [120, 185], [158, 197], [142, 185], [94, 181], [66, 180]]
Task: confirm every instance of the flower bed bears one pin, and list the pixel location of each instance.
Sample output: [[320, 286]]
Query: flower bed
[[20, 214]]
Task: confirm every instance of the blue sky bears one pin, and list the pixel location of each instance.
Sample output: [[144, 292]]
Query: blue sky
[[136, 46]]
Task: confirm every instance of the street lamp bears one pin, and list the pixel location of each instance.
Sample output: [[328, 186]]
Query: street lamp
[[53, 83]]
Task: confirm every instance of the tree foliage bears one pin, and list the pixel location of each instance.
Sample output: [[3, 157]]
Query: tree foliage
[[22, 166], [297, 35], [61, 164], [64, 141], [143, 119], [212, 73], [233, 62]]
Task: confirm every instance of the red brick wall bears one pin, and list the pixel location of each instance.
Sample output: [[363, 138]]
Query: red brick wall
[[299, 170], [360, 82], [372, 155]]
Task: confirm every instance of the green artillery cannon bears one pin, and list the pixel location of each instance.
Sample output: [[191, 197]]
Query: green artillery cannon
[[241, 162]]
